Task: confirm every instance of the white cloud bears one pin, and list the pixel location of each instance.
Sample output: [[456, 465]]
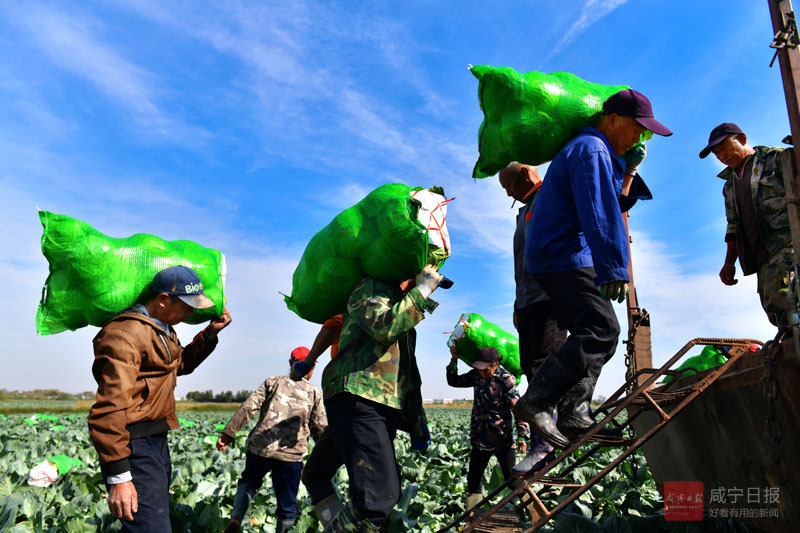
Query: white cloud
[[592, 11], [73, 44]]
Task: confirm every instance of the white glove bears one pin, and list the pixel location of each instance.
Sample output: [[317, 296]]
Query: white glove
[[428, 280]]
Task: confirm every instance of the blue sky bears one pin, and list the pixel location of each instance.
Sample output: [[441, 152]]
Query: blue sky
[[247, 128]]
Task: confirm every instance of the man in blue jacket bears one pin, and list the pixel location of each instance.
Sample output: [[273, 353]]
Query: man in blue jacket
[[577, 249]]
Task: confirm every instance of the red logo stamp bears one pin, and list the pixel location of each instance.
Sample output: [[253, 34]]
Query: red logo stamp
[[683, 500]]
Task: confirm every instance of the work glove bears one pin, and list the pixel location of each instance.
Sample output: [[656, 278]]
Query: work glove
[[299, 370], [634, 157], [614, 290], [428, 280], [421, 442]]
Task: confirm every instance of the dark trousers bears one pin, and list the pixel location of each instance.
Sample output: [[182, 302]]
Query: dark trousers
[[590, 320], [321, 465], [285, 481], [539, 335], [360, 436], [151, 470], [479, 459]]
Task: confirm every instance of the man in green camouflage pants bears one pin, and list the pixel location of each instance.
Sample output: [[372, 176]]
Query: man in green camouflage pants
[[758, 223], [372, 389]]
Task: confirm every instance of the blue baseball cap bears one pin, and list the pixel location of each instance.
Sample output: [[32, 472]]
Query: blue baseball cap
[[183, 282]]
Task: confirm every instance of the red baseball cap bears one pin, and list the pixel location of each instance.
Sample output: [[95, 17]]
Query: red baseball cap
[[300, 353]]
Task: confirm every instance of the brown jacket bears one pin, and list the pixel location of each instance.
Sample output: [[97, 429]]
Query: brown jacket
[[135, 366]]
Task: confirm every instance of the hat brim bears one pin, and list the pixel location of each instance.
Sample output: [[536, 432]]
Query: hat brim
[[480, 365], [707, 150], [198, 301], [655, 126]]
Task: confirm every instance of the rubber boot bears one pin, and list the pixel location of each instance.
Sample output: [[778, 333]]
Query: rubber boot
[[537, 406], [347, 520], [327, 509], [573, 409], [574, 412], [535, 460], [472, 501], [283, 526]]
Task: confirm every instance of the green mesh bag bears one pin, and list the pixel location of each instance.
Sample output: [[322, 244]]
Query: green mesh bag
[[381, 236], [473, 332], [529, 117], [93, 277], [710, 357], [64, 464]]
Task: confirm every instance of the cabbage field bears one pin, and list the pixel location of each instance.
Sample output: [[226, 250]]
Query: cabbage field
[[204, 482]]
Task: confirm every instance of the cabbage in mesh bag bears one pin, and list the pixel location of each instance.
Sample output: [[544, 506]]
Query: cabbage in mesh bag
[[391, 235], [529, 117], [710, 357], [474, 332], [93, 277]]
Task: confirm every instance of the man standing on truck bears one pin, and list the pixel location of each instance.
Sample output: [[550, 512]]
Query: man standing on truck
[[577, 248], [758, 224]]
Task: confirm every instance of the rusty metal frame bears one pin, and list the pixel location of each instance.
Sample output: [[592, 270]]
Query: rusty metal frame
[[610, 409]]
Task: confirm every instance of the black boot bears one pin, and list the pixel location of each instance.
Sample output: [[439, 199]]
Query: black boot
[[574, 418], [538, 404], [573, 409]]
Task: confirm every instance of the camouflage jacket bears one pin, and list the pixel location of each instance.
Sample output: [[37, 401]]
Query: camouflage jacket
[[490, 425], [290, 410], [376, 350], [767, 191]]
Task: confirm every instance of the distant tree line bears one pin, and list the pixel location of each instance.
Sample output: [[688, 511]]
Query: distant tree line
[[44, 394], [223, 397]]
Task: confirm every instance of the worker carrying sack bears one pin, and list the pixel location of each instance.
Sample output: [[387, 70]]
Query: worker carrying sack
[[529, 117], [93, 277], [473, 332], [391, 235]]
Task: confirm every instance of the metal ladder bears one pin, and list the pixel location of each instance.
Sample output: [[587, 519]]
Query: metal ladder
[[636, 399]]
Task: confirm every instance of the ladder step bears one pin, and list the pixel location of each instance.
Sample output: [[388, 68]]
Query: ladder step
[[553, 481], [612, 441], [503, 521]]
